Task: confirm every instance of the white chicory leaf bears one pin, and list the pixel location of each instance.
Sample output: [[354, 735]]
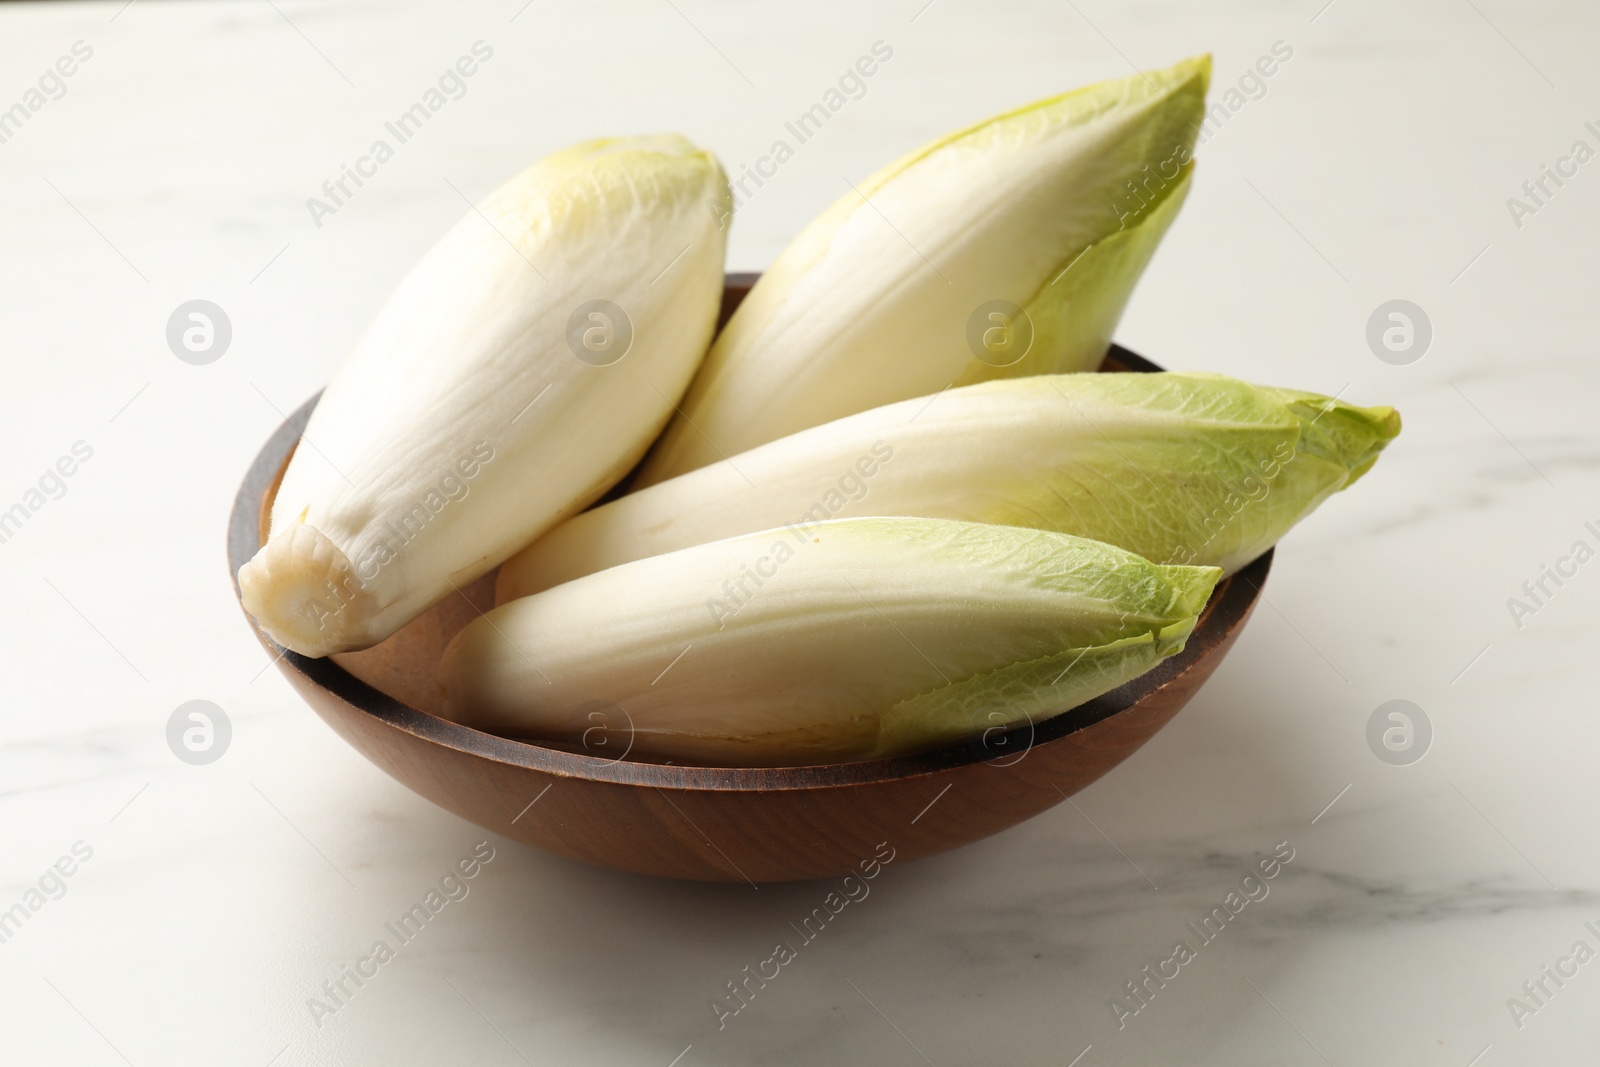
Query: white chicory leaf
[[851, 639], [1179, 468], [519, 370], [1008, 248]]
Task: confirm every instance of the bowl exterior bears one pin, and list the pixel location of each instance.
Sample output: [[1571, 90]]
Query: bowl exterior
[[732, 832]]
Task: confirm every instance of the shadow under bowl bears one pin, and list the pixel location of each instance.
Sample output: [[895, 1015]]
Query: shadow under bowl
[[717, 824]]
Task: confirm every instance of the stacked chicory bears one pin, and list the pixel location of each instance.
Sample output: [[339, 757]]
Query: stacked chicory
[[886, 510]]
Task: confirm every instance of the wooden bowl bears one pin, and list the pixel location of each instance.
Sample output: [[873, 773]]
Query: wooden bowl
[[717, 824]]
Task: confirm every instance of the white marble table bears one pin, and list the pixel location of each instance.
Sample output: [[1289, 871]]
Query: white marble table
[[207, 904]]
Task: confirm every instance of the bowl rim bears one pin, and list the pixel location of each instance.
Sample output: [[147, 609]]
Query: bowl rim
[[1230, 604]]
